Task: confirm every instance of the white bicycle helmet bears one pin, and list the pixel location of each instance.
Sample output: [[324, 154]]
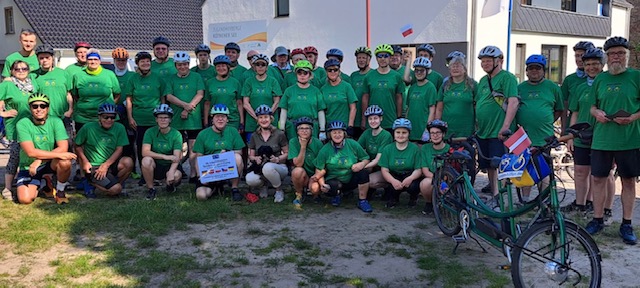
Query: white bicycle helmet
[[181, 57], [490, 51], [422, 62]]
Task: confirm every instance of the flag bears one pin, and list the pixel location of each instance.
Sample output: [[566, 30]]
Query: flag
[[518, 142], [493, 7], [406, 30]]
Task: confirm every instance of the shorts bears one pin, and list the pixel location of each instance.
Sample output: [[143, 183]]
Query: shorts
[[248, 136], [581, 156], [14, 158], [626, 162], [413, 189], [110, 179], [68, 126], [23, 177], [492, 147], [160, 172], [189, 134], [77, 126], [358, 178], [212, 185]]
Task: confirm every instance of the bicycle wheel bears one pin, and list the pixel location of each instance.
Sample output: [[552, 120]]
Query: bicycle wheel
[[568, 168], [444, 201], [537, 250]]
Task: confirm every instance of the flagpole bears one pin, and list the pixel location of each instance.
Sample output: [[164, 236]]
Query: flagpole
[[509, 34]]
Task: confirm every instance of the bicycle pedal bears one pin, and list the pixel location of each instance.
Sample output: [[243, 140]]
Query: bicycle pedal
[[459, 239]]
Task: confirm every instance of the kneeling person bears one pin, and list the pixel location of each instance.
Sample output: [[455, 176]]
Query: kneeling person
[[437, 133], [303, 150]]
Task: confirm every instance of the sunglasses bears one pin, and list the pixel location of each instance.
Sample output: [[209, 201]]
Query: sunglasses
[[333, 70], [420, 71], [260, 64], [23, 69], [41, 106], [108, 117], [383, 55], [302, 72]]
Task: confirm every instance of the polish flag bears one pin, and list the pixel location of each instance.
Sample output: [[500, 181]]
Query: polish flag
[[518, 142], [406, 30]]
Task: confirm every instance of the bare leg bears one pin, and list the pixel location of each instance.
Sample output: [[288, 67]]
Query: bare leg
[[582, 181], [628, 196], [148, 166], [236, 181], [599, 196]]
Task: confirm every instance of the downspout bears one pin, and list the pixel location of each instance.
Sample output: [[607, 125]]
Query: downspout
[[368, 19], [509, 34], [472, 44]]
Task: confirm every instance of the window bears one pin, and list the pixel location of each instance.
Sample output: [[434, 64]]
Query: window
[[569, 5], [8, 21], [521, 51], [604, 7], [556, 61], [525, 2], [282, 8]]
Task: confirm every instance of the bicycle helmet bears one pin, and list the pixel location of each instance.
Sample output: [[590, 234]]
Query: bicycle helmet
[[233, 46], [263, 110], [161, 40], [438, 124], [81, 44], [303, 120], [384, 48], [616, 42], [304, 65], [396, 49], [219, 109], [297, 51], [455, 54], [310, 49], [537, 59], [203, 48], [427, 47], [583, 45], [221, 59], [46, 48], [38, 97], [337, 125], [422, 62], [336, 53], [107, 108], [401, 123], [120, 53], [373, 110], [331, 62], [163, 109], [363, 49], [142, 55], [593, 53], [490, 51], [262, 57], [181, 57]]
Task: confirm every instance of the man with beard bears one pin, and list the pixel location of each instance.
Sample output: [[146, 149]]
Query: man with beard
[[163, 65], [26, 53], [363, 58]]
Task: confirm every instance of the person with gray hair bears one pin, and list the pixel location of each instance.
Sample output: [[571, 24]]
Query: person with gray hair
[[455, 101]]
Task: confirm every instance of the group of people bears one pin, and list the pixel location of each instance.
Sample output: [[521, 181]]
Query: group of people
[[286, 115]]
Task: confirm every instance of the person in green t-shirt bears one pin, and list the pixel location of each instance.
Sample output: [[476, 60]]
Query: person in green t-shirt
[[80, 50], [372, 141], [339, 96], [224, 89], [383, 87], [340, 167], [162, 65], [162, 152], [427, 50], [421, 101], [217, 139], [437, 132], [303, 150], [44, 150], [401, 165], [121, 60], [257, 90], [455, 103], [204, 67], [363, 58], [290, 78], [55, 83], [572, 81], [99, 148], [232, 50], [335, 53], [26, 53]]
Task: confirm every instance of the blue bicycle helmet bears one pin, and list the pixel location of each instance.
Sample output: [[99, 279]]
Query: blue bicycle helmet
[[107, 108], [162, 109], [303, 120], [337, 125], [232, 45], [401, 123], [583, 45], [331, 62], [221, 59], [490, 51], [335, 52], [263, 110], [422, 62], [219, 109], [203, 48], [373, 110], [537, 59], [593, 53], [455, 54], [438, 124], [616, 42], [427, 47], [396, 49], [161, 40]]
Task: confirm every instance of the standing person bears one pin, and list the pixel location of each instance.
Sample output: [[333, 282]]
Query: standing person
[[617, 139], [291, 78], [272, 71], [428, 51], [44, 150], [232, 50], [121, 59], [303, 151], [455, 103], [421, 100], [437, 132], [363, 58], [163, 65], [372, 141], [572, 80], [335, 53], [312, 55], [26, 53], [184, 92], [496, 106], [14, 97], [55, 83], [80, 50], [339, 96], [302, 100], [258, 90], [204, 68], [224, 89], [383, 87], [395, 61], [280, 60]]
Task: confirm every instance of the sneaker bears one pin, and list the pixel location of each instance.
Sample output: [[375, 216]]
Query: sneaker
[[89, 190], [493, 204], [61, 197], [151, 194], [626, 232], [297, 203], [6, 194], [594, 227], [279, 197], [235, 195], [336, 200], [142, 182], [365, 206], [171, 188], [412, 203], [264, 192], [428, 209], [135, 175]]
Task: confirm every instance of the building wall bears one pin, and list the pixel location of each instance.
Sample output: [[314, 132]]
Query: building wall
[[492, 30], [10, 43], [634, 33], [620, 22]]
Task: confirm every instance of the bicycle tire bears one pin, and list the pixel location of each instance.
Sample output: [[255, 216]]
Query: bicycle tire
[[444, 208], [532, 257]]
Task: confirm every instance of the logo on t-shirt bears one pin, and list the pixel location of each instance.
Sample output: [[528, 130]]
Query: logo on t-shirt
[[302, 96], [222, 89], [399, 162], [220, 143], [533, 94], [343, 161], [261, 90], [40, 138], [145, 87], [383, 83], [332, 96], [613, 87], [50, 83], [184, 86]]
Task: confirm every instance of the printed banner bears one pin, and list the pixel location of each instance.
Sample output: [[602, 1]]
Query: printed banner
[[217, 167], [250, 35]]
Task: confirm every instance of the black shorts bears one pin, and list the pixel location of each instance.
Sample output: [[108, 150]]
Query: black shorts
[[627, 162], [492, 147], [160, 172], [581, 156], [413, 189], [24, 178], [77, 126], [110, 179], [189, 134], [358, 178]]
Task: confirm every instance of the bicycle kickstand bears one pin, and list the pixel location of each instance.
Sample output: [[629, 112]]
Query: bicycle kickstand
[[482, 247]]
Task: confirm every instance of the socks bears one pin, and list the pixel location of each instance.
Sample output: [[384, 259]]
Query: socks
[[625, 221], [60, 186]]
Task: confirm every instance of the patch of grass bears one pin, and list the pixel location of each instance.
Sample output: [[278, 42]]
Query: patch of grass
[[24, 270], [301, 244], [79, 266], [291, 258], [145, 241], [393, 238], [196, 241], [276, 243], [241, 260], [160, 262], [272, 262], [256, 232], [401, 252]]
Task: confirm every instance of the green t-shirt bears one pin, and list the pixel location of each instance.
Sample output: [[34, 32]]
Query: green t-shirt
[[56, 84], [313, 147], [433, 77], [382, 90], [43, 137], [146, 93], [320, 74], [225, 92], [91, 91], [207, 74], [538, 103], [357, 80], [489, 114], [14, 98], [259, 92], [373, 144], [162, 143], [429, 153], [569, 84], [611, 94], [400, 161], [238, 73], [338, 98], [31, 60], [271, 72], [338, 163], [290, 79], [165, 69], [98, 143], [74, 69], [457, 108], [123, 81], [419, 99], [185, 89], [211, 142], [583, 108], [301, 102]]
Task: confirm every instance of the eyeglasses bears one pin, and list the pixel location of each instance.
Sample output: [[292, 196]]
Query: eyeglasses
[[436, 133], [260, 64], [420, 71], [302, 72], [383, 55], [304, 128], [163, 117], [618, 54], [21, 69], [534, 67], [41, 106], [333, 70], [108, 117]]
